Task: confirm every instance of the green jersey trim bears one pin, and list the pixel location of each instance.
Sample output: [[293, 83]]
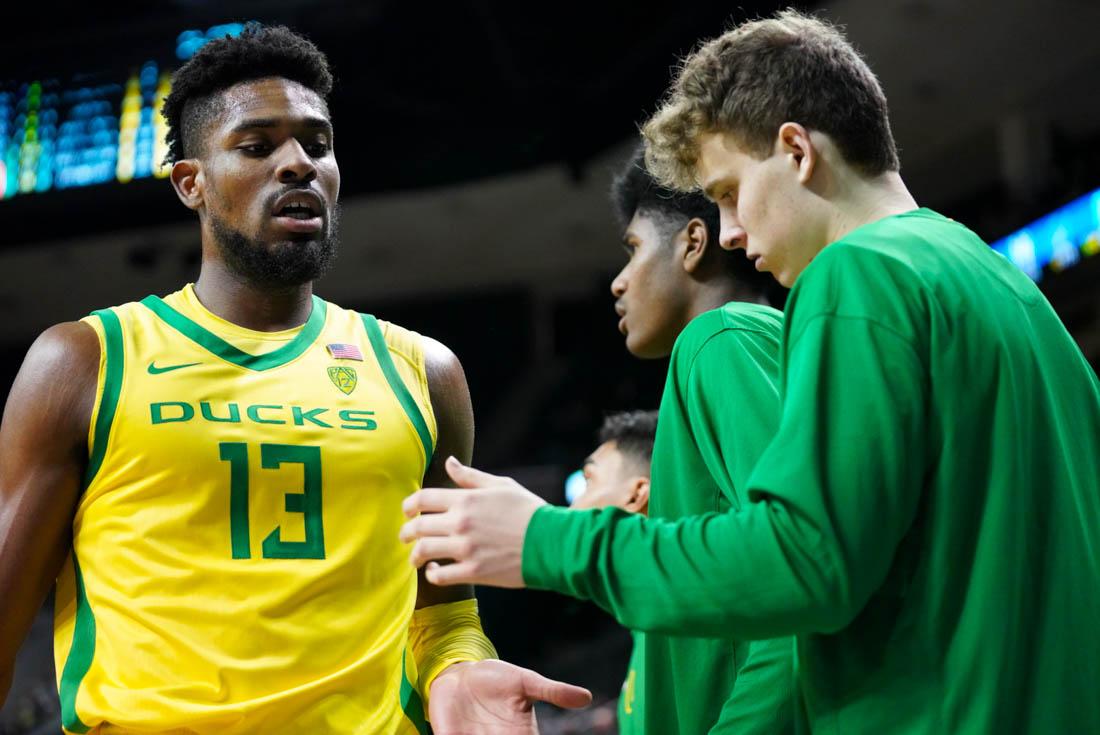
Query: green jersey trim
[[80, 657], [411, 704], [404, 397], [114, 362], [215, 344], [82, 649]]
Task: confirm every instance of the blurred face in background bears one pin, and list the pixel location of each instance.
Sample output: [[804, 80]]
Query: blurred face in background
[[613, 478], [270, 182], [651, 294]]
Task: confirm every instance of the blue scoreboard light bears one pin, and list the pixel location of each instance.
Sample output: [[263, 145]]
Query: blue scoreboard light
[[1058, 240], [89, 129]]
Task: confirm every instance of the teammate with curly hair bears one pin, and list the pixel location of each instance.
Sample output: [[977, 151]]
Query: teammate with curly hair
[[926, 519]]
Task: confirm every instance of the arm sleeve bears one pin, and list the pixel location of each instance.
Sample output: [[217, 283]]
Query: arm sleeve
[[445, 634], [731, 400], [763, 697], [833, 495]]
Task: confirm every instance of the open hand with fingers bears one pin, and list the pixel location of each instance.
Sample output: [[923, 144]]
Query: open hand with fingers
[[479, 526], [495, 698]]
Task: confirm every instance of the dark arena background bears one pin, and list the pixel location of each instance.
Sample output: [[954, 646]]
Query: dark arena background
[[476, 142]]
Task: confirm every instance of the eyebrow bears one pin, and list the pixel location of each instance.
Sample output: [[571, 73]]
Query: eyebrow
[[272, 122]]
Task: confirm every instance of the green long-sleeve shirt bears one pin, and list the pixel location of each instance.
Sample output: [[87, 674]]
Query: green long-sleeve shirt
[[719, 411], [926, 520]]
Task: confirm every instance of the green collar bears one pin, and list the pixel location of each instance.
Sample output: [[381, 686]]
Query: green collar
[[228, 352]]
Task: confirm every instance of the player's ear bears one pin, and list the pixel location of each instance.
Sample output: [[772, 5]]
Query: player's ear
[[639, 495], [187, 179], [794, 142], [695, 243]]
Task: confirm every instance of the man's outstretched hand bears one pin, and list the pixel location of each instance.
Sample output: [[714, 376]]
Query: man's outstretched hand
[[495, 698], [479, 525]]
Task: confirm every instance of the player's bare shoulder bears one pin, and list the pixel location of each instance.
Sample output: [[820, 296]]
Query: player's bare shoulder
[[442, 367], [451, 404], [450, 395], [57, 381]]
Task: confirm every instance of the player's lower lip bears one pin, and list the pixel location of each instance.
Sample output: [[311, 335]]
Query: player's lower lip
[[622, 325], [760, 263], [293, 224]]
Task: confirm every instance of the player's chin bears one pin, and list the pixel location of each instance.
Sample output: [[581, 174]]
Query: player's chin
[[641, 345], [784, 276]]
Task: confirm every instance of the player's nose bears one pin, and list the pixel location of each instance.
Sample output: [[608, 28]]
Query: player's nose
[[618, 285], [731, 236], [295, 165]]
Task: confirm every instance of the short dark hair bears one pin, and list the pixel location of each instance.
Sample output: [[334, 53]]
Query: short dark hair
[[761, 74], [257, 53], [633, 433], [636, 190]]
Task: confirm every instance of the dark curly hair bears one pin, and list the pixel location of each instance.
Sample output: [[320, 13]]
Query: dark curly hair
[[633, 433], [635, 190], [258, 52]]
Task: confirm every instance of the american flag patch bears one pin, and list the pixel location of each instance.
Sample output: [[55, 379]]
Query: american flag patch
[[345, 352]]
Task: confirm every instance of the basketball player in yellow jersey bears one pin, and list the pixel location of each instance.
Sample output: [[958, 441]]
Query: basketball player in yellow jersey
[[214, 478]]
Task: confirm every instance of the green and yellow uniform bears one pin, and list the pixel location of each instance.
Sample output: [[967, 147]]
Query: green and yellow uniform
[[926, 519], [719, 411], [235, 564], [631, 717]]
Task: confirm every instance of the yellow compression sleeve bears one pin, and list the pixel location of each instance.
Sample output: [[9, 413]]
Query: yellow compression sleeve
[[441, 635]]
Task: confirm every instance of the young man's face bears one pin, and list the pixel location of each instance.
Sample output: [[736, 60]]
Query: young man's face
[[761, 204], [271, 181], [650, 297], [613, 480]]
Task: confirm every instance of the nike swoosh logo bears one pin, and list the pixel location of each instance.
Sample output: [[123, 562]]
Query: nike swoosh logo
[[154, 370]]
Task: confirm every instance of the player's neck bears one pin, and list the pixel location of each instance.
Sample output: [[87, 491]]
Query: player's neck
[[709, 296], [869, 200], [263, 309]]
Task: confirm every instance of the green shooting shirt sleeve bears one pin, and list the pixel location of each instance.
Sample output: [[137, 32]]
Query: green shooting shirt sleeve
[[733, 406], [833, 495], [764, 695]]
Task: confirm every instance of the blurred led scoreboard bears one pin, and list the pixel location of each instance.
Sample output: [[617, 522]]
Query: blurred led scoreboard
[[1056, 241], [89, 129]]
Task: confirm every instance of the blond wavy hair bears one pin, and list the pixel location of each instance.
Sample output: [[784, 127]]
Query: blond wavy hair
[[759, 75]]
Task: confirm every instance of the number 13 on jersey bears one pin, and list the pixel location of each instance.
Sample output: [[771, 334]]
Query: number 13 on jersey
[[307, 502]]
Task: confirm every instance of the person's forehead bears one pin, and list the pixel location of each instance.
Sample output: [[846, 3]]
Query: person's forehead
[[271, 98], [642, 225], [606, 453], [720, 157]]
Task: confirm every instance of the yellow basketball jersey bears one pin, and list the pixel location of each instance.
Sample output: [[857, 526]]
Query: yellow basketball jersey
[[235, 565]]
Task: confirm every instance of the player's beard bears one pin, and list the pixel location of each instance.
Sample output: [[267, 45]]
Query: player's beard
[[281, 264]]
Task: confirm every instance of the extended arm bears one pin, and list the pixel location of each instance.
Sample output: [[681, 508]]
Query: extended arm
[[43, 454], [470, 691], [833, 495]]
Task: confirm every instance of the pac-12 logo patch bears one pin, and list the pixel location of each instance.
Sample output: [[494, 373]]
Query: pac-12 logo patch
[[343, 378]]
